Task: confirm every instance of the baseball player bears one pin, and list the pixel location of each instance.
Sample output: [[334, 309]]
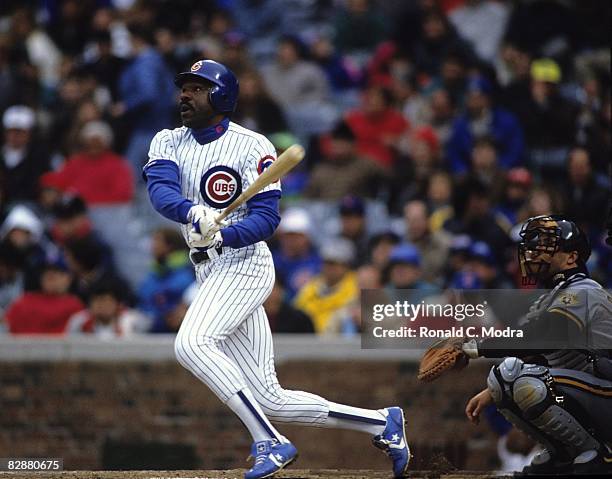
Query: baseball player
[[565, 400], [193, 173]]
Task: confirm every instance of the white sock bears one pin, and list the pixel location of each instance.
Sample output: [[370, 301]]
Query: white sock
[[246, 408], [355, 418]]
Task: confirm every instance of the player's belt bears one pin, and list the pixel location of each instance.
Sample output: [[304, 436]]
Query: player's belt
[[200, 256]]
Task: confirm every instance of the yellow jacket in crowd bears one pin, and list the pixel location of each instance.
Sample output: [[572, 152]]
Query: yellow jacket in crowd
[[320, 301]]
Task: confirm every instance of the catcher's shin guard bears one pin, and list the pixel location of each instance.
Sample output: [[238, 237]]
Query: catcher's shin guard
[[527, 391], [499, 383]]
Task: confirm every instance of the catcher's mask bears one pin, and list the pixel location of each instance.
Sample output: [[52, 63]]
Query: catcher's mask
[[542, 237]]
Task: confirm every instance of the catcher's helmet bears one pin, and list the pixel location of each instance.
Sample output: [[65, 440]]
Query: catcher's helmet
[[541, 237], [223, 96]]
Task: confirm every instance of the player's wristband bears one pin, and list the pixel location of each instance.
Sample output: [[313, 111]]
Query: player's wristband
[[470, 348]]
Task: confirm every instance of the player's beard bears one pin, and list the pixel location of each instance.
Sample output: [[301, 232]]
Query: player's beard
[[197, 120], [187, 113]]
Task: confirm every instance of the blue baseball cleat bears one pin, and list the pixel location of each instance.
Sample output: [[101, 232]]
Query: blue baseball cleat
[[270, 457], [393, 441]]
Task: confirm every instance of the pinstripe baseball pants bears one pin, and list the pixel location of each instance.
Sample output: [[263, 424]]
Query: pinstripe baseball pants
[[225, 339]]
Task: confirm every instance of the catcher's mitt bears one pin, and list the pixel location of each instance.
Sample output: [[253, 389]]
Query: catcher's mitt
[[442, 356]]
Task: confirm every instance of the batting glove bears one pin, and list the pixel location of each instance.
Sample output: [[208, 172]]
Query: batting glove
[[202, 220], [196, 240]]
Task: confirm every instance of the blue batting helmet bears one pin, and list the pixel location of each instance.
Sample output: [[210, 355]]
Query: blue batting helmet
[[223, 95]]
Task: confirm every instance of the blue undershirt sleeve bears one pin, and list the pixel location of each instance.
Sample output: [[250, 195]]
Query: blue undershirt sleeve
[[262, 220], [164, 187]]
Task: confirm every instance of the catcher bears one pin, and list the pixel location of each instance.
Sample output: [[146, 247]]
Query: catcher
[[559, 392]]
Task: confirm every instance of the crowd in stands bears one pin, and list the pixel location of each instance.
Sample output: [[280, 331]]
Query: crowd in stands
[[433, 129]]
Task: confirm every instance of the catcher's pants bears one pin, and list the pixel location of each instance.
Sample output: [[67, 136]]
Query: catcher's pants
[[593, 394], [225, 340]]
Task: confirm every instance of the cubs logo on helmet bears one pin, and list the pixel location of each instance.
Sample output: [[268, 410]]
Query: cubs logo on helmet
[[220, 186], [223, 95], [264, 163]]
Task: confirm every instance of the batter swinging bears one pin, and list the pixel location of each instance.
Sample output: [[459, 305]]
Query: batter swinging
[[225, 340]]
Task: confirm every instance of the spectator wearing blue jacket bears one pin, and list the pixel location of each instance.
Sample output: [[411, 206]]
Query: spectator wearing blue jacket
[[170, 275], [147, 91], [483, 118]]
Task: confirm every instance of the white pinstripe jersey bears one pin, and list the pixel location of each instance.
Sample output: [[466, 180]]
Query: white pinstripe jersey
[[214, 174]]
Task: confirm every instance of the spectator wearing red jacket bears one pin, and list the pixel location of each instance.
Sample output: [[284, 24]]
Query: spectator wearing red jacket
[[47, 310], [98, 175], [378, 127]]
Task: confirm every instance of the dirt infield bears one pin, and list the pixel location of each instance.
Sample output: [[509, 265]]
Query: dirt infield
[[238, 474]]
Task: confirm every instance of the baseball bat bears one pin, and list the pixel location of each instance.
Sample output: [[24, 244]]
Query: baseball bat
[[279, 168]]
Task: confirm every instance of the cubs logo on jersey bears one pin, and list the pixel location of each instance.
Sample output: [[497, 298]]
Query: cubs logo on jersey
[[220, 186]]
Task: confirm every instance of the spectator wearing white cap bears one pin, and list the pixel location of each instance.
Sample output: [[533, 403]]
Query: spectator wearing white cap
[[21, 227], [334, 289], [22, 160], [18, 117], [96, 173], [295, 258], [24, 232]]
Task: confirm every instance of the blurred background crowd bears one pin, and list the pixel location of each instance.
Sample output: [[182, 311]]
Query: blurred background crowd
[[433, 129]]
